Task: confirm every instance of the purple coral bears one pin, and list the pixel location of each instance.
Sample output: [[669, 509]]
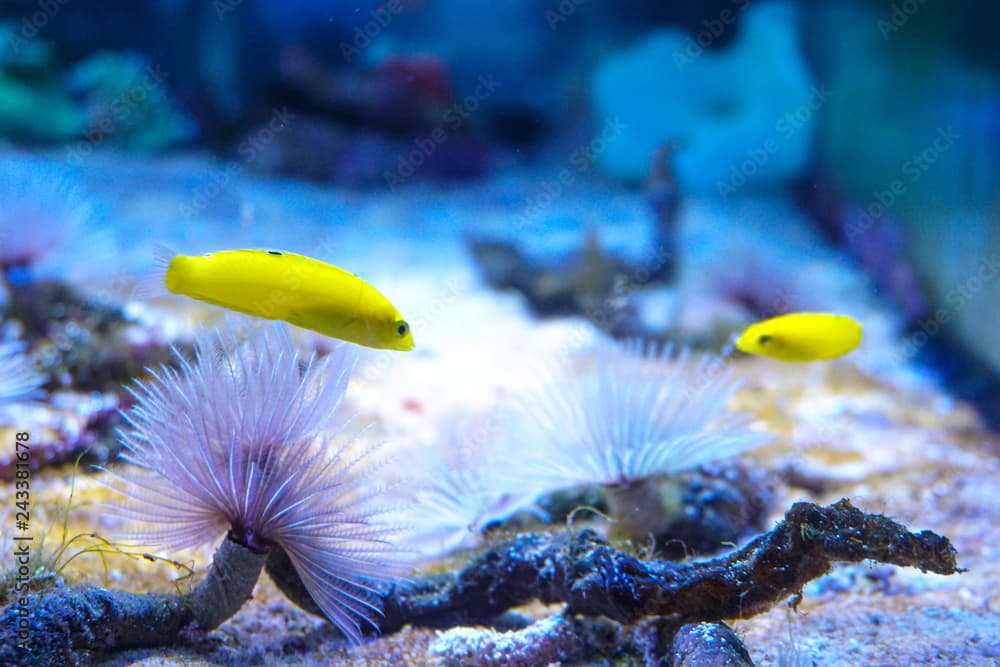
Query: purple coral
[[639, 410], [238, 440]]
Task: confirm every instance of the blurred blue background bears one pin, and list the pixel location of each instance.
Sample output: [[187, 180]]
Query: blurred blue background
[[581, 126]]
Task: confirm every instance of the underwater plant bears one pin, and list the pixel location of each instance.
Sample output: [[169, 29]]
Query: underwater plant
[[639, 412], [42, 208], [238, 443], [20, 379]]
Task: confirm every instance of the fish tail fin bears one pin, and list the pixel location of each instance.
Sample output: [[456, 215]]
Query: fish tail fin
[[729, 346], [154, 284]]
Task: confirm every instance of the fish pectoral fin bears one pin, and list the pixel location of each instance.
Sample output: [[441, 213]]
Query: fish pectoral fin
[[351, 321], [321, 320]]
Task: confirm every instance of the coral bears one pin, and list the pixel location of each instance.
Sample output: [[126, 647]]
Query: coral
[[256, 460], [709, 644], [125, 101], [20, 379], [723, 107], [43, 208], [71, 621], [591, 281], [597, 580], [694, 512], [383, 125], [81, 340], [34, 105], [582, 640], [553, 640], [399, 95], [640, 410], [579, 569], [665, 198]]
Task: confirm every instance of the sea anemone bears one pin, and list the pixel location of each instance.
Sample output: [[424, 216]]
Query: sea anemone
[[20, 380], [41, 209], [239, 442], [637, 413]]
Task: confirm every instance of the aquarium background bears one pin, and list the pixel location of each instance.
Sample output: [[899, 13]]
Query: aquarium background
[[527, 182]]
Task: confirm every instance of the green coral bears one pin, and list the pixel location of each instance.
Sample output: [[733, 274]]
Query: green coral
[[113, 99], [34, 105], [125, 100]]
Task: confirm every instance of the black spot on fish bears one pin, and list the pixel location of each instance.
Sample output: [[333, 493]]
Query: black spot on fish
[[275, 252]]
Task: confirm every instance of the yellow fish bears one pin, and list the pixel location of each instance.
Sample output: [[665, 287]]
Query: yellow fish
[[279, 285], [802, 337]]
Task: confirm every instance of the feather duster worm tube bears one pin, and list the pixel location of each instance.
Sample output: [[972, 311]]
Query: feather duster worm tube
[[635, 413], [238, 443]]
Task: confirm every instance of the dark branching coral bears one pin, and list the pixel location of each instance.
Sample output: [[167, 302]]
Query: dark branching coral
[[594, 579], [580, 569], [67, 624]]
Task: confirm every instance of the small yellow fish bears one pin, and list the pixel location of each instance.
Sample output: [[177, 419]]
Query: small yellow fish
[[279, 285], [802, 337]]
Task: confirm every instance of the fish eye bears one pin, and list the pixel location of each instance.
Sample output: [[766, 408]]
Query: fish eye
[[764, 340], [402, 328]]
